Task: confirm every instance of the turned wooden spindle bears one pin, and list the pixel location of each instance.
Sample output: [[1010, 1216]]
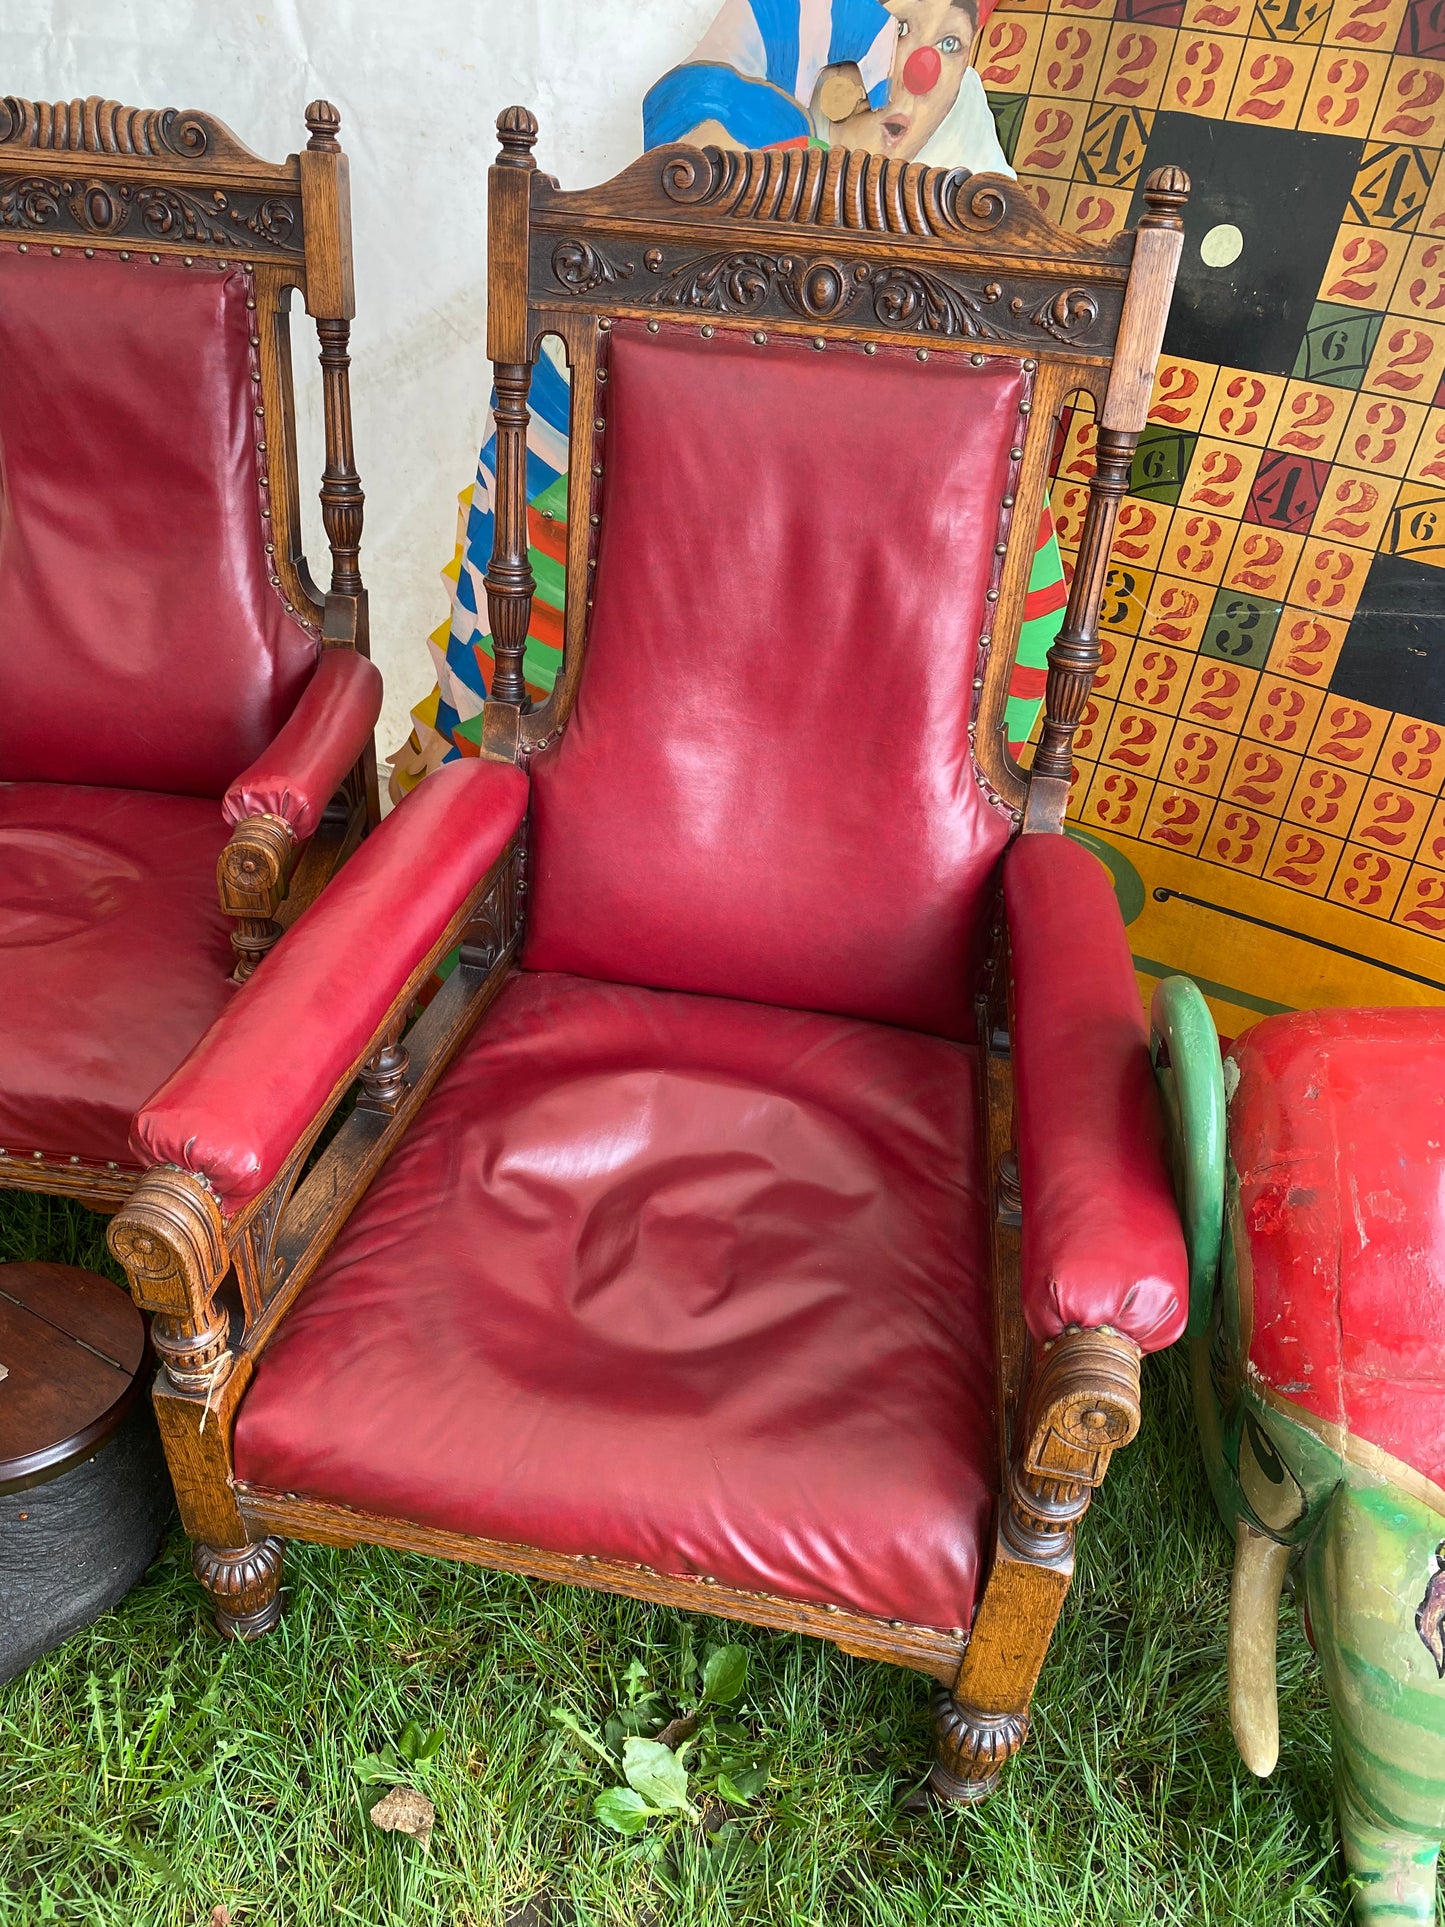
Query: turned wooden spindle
[[1075, 657], [509, 580], [342, 499]]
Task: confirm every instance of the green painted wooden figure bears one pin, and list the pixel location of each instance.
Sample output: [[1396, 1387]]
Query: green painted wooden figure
[[1311, 1169]]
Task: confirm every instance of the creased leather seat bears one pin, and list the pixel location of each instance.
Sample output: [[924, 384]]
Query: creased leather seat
[[729, 1258], [114, 956]]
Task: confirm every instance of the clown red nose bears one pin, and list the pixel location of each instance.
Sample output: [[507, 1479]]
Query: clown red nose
[[921, 70]]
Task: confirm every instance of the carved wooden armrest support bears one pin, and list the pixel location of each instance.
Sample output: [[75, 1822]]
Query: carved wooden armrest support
[[1082, 1405], [252, 875], [171, 1238]]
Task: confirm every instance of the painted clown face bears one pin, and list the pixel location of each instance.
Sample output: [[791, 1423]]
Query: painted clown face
[[935, 40]]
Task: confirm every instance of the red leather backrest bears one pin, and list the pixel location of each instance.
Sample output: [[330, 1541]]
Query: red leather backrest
[[767, 787], [142, 645]]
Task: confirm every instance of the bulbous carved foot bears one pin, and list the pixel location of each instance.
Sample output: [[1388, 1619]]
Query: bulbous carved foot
[[243, 1584], [973, 1748]]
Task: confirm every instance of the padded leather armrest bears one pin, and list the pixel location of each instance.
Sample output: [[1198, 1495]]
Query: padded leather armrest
[[1102, 1243], [302, 767], [239, 1104]]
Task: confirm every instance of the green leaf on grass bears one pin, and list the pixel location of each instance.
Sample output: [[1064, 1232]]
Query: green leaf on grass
[[725, 1675], [657, 1774], [622, 1809], [420, 1744], [579, 1732], [743, 1785], [384, 1767]]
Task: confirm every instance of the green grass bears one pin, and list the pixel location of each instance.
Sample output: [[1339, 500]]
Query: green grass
[[149, 1773]]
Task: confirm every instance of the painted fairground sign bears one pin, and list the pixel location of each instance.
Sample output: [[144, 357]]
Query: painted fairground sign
[[1264, 755]]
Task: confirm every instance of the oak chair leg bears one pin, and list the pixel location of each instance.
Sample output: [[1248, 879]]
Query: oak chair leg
[[1082, 1405], [243, 1584], [971, 1748]]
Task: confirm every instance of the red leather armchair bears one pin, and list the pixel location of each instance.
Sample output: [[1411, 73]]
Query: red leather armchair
[[674, 1247], [185, 719]]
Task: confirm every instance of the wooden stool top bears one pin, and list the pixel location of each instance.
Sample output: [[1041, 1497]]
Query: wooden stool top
[[71, 1344]]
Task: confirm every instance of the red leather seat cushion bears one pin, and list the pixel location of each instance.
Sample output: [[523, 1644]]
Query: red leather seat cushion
[[141, 643], [1337, 1133], [114, 957], [767, 788], [666, 1279]]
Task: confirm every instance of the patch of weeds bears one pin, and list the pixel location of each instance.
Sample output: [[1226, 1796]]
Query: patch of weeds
[[688, 1756]]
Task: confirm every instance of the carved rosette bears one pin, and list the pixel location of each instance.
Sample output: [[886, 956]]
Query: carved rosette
[[252, 872], [243, 1584], [1083, 1405], [973, 1748]]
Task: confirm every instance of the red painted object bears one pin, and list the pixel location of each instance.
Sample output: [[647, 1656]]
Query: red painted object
[[1338, 1136], [922, 70]]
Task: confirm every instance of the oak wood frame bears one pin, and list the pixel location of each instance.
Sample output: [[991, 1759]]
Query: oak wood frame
[[158, 183], [569, 264]]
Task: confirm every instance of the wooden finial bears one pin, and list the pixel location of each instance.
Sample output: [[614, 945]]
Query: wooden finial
[[1165, 192], [517, 129], [324, 123]]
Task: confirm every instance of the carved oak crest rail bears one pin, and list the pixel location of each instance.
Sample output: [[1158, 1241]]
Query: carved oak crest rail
[[152, 184]]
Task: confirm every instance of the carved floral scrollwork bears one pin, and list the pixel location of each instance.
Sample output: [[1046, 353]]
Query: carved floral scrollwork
[[908, 298], [165, 213], [169, 213], [579, 267], [1067, 314], [30, 203], [722, 283]]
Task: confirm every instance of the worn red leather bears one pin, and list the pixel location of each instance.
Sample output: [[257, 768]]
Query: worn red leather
[[767, 788], [114, 957], [297, 774], [1337, 1134], [142, 645], [672, 1280], [239, 1104], [1102, 1244]]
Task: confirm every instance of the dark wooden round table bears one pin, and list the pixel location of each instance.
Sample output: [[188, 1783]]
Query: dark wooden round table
[[84, 1496]]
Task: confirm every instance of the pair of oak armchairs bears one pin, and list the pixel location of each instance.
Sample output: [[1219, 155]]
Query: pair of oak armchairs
[[769, 1211]]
